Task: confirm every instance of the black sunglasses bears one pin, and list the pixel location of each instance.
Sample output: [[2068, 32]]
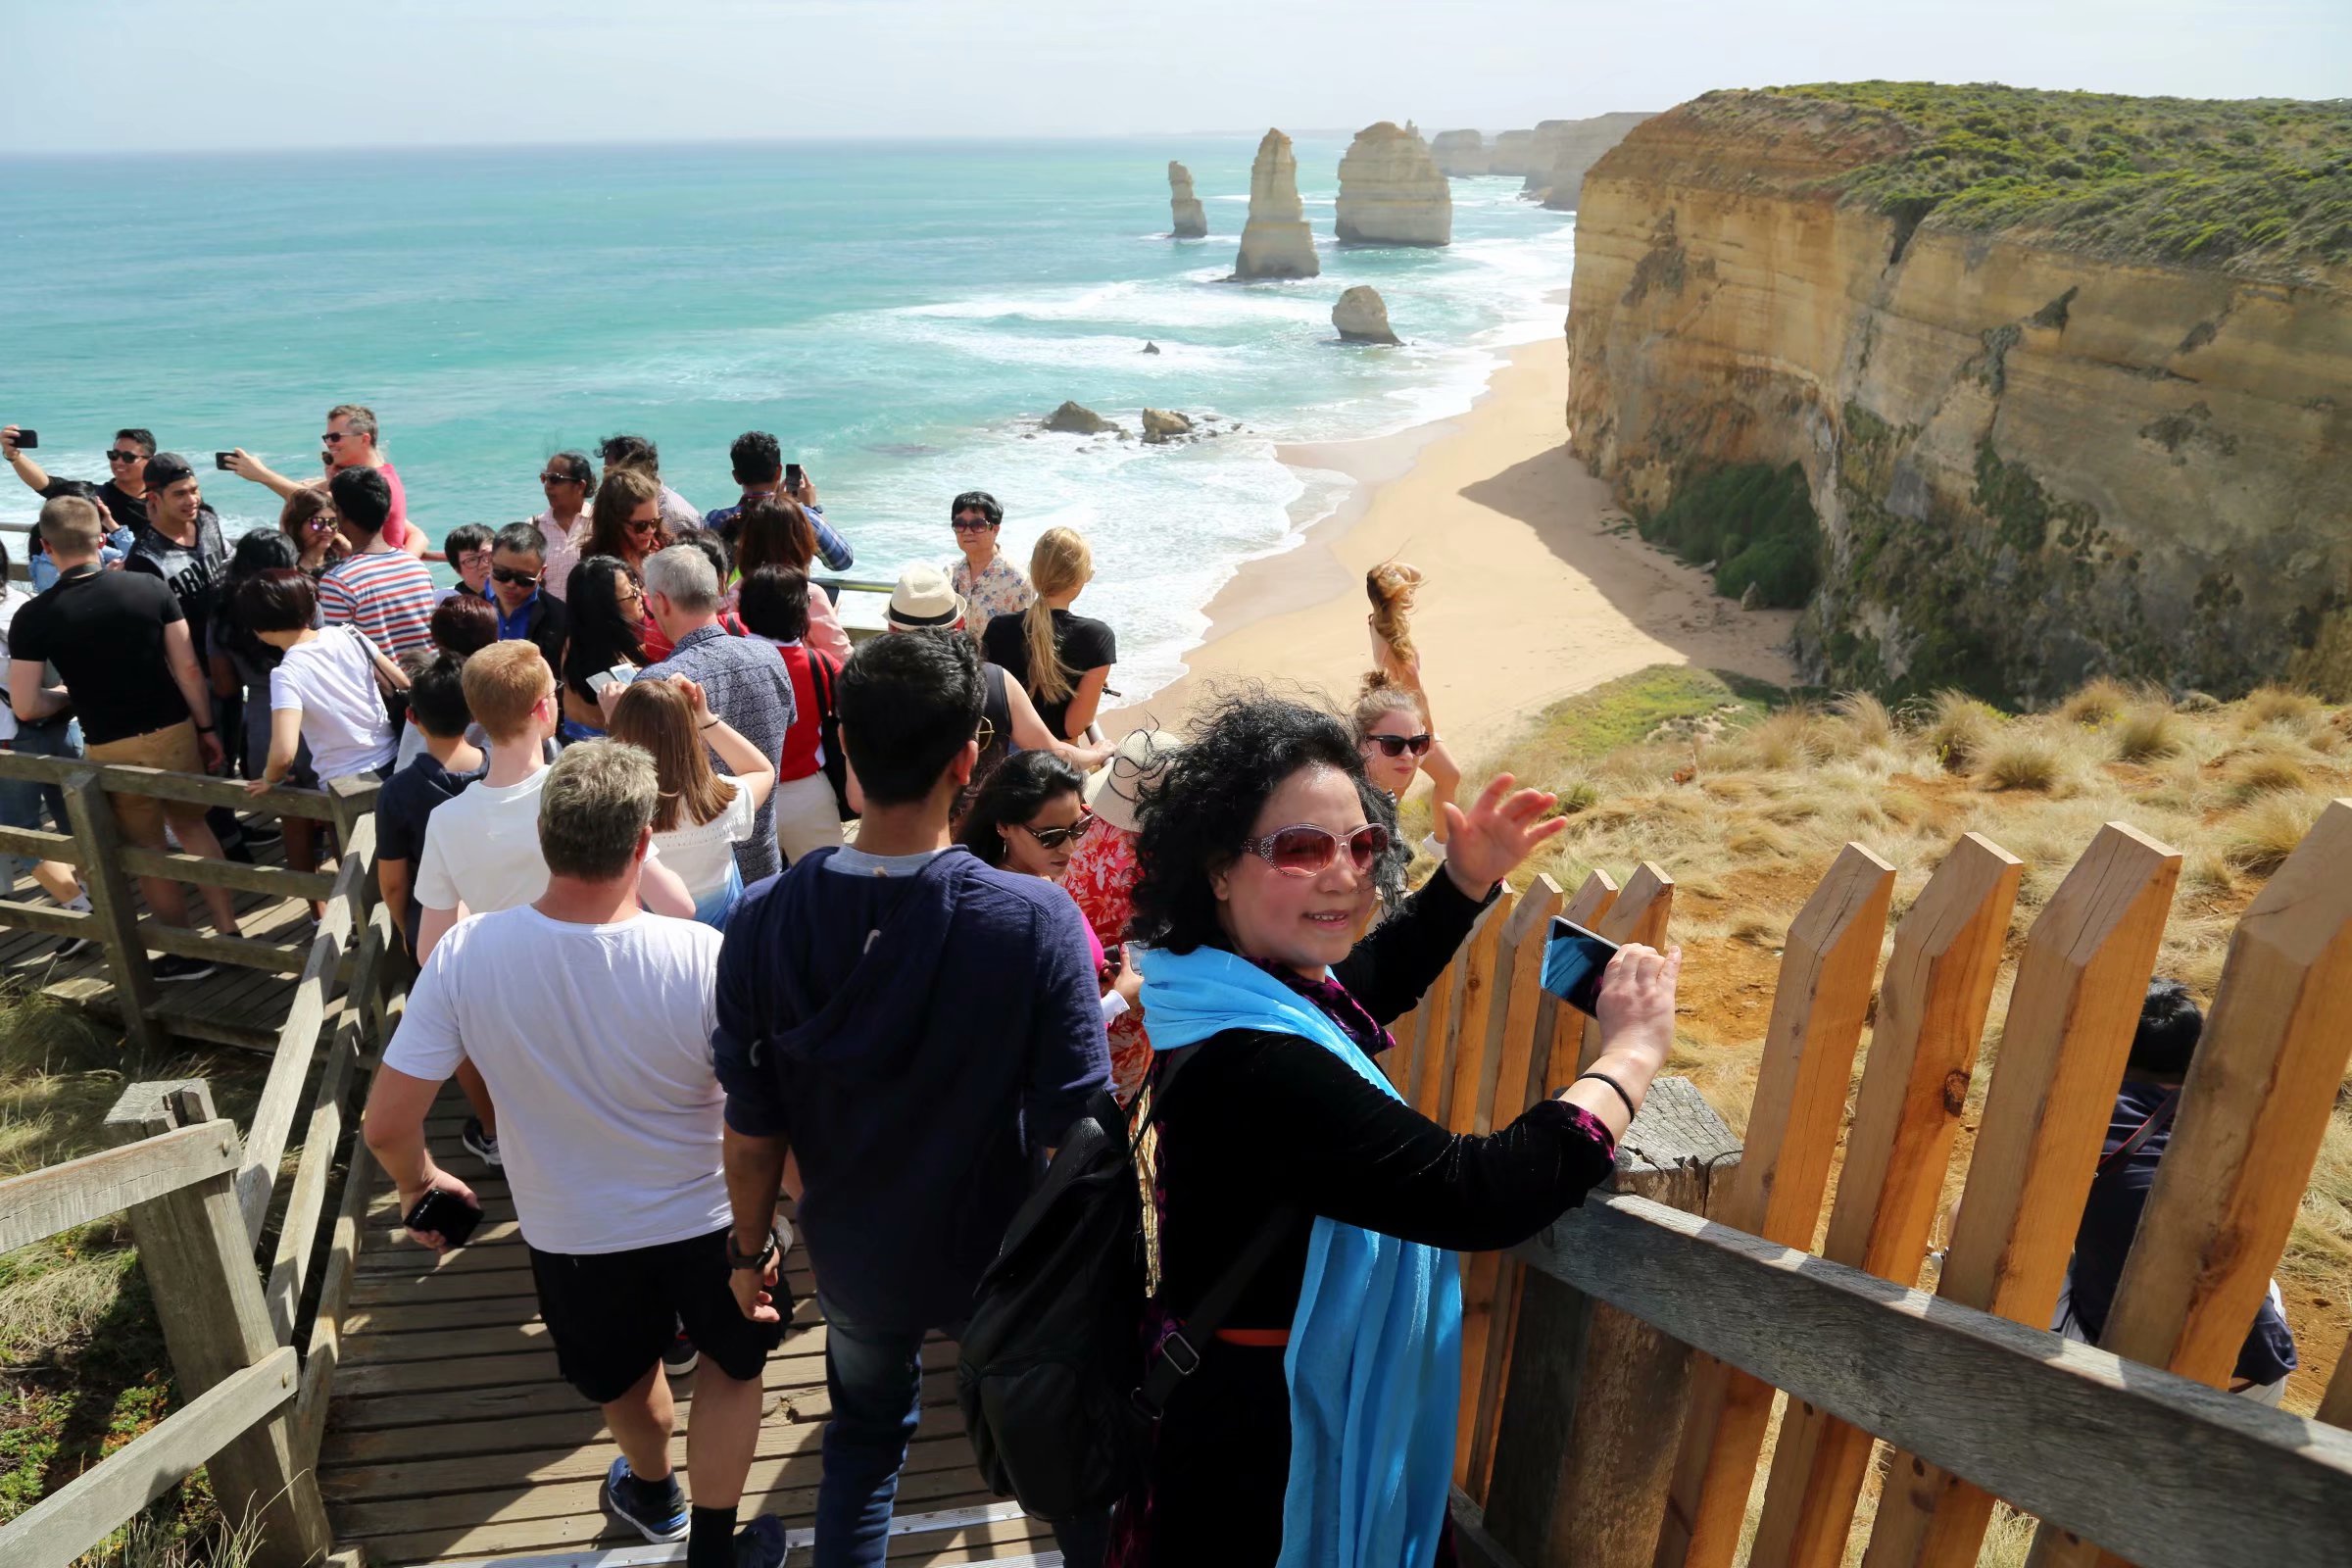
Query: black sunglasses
[[122, 457], [971, 526], [1399, 745], [512, 578], [1054, 838]]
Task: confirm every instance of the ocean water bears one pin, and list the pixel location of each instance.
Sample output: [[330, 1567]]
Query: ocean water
[[901, 314]]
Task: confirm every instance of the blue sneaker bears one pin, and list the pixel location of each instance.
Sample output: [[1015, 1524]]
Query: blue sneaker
[[761, 1543], [655, 1509]]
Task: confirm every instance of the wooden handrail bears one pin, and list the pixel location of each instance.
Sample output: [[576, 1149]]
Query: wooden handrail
[[57, 1197], [70, 1521], [2149, 1464], [197, 789]]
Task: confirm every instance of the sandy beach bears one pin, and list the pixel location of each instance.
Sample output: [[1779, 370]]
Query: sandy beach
[[1529, 596]]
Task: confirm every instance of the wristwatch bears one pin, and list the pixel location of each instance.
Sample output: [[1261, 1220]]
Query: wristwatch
[[767, 1253]]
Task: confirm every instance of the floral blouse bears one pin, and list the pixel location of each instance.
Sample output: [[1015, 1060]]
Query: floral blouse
[[1101, 877], [998, 588]]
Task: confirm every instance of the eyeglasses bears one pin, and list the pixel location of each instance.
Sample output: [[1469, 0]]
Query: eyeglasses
[[648, 527], [122, 457], [1399, 745], [1054, 838], [332, 438], [321, 524], [512, 578], [971, 526], [1306, 849], [557, 479]]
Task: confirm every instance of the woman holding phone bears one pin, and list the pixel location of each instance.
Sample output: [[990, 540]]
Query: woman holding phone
[[607, 643], [1264, 849]]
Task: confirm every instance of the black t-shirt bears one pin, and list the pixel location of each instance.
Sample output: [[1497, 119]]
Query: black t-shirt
[[104, 631], [122, 511], [401, 805], [1082, 643], [193, 572]]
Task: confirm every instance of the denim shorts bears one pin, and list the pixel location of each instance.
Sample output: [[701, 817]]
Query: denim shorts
[[22, 800]]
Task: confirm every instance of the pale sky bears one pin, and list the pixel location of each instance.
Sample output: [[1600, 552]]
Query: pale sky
[[131, 74]]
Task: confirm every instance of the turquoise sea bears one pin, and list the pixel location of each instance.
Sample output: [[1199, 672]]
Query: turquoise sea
[[901, 314]]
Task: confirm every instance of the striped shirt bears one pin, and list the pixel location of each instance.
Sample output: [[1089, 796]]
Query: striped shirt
[[389, 596]]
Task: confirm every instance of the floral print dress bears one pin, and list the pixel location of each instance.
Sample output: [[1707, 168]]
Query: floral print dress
[[1101, 877]]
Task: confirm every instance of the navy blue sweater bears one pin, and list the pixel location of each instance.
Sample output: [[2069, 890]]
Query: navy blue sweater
[[919, 1041]]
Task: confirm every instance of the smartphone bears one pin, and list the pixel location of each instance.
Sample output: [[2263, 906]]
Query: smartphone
[[605, 679], [446, 1214], [26, 440], [1573, 961], [792, 478], [221, 459]]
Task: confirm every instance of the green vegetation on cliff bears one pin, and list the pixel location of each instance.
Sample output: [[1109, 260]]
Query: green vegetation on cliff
[[2256, 184], [1755, 523]]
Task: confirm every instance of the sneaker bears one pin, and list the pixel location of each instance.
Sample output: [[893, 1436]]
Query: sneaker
[[480, 1144], [258, 831], [72, 948], [172, 968], [655, 1509], [761, 1543], [681, 1357]]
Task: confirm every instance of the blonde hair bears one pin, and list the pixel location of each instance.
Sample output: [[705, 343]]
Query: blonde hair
[[1390, 586], [504, 683], [655, 716], [1060, 564], [1381, 698]]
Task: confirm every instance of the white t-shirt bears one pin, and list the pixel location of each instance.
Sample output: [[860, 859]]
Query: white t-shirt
[[11, 600], [596, 1043], [700, 856], [332, 679], [481, 848]]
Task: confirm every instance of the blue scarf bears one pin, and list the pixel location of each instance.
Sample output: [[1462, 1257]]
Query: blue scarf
[[1375, 1361]]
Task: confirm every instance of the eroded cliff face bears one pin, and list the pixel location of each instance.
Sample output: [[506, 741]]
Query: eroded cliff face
[[1391, 192], [2032, 464], [1276, 241], [1459, 152], [1184, 208], [1564, 151]]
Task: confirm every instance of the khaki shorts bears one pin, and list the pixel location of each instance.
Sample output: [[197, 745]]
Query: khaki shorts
[[141, 816]]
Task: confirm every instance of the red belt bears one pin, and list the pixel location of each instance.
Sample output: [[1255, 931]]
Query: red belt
[[1256, 1338]]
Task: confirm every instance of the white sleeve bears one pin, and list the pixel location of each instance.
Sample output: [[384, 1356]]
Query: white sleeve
[[1113, 1006], [427, 1045], [436, 887], [740, 815]]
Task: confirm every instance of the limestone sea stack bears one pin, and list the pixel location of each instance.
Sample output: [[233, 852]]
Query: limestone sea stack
[[1189, 220], [1362, 317], [1391, 192], [1276, 241], [1564, 151], [1458, 152], [1510, 153]]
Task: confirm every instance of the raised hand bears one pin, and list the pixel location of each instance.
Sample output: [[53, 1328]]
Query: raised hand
[[1502, 828]]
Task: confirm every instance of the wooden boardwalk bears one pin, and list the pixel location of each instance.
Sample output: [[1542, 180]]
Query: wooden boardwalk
[[452, 1439]]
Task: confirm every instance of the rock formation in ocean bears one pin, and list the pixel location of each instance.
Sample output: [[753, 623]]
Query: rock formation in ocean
[[1391, 192], [1075, 419], [1150, 347], [1459, 152], [1276, 241], [1162, 425], [1510, 151], [1362, 316], [1564, 150], [2042, 442], [1191, 223]]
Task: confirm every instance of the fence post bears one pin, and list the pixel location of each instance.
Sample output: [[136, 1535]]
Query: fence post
[[208, 1296], [1476, 1067], [1818, 1004], [2260, 1090], [1930, 1019], [92, 816], [1592, 1416]]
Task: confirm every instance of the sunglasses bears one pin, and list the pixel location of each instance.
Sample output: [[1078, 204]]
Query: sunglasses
[[971, 526], [332, 438], [1306, 849], [634, 527], [560, 478], [1054, 838], [122, 457], [321, 524], [1399, 745], [512, 578]]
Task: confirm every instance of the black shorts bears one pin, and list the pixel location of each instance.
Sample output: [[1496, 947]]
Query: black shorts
[[612, 1314]]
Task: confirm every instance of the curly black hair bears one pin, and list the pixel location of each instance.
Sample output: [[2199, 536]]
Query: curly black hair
[[1016, 790], [2170, 1026], [1195, 814]]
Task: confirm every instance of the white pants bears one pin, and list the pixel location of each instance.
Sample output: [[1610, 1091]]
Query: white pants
[[806, 818]]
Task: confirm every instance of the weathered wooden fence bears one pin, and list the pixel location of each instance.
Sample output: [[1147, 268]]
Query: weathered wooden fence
[[1619, 1372], [249, 1273]]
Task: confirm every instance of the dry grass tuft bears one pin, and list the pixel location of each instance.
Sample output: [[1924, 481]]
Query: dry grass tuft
[[1959, 728], [2279, 705], [2021, 759], [2096, 703], [2147, 732], [2256, 773], [2258, 840], [1866, 720]]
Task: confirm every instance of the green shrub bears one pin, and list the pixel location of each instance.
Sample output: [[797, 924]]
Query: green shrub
[[1755, 522]]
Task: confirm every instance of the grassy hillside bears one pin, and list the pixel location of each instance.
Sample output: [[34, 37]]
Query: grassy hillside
[[1746, 804], [2258, 185]]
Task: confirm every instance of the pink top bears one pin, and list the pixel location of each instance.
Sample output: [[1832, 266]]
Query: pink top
[[824, 622]]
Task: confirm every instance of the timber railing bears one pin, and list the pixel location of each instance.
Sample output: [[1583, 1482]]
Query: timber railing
[[249, 1274], [1619, 1370]]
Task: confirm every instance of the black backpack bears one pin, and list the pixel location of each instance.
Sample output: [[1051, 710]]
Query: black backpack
[[1057, 1393], [823, 673]]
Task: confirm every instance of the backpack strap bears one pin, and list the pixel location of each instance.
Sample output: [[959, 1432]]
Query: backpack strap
[[2158, 1119], [1179, 1356]]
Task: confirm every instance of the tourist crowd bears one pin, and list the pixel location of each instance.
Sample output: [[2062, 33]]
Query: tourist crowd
[[618, 763]]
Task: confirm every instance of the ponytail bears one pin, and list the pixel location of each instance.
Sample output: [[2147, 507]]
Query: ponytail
[[1060, 564]]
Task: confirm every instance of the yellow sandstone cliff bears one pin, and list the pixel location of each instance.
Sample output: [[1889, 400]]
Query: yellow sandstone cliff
[[2033, 458]]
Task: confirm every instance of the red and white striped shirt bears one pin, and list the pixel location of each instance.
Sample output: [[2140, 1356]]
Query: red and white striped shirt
[[389, 596]]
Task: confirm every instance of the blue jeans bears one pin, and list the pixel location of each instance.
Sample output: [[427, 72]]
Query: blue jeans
[[875, 1380], [22, 800]]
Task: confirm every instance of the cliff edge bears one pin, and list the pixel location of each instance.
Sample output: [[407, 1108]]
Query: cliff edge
[[1391, 192], [2064, 375], [1564, 150]]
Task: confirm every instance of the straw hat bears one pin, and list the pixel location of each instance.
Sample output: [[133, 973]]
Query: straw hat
[[1111, 793], [922, 599]]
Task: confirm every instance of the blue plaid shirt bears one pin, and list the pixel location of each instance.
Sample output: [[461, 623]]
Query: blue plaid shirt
[[831, 547], [750, 687]]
